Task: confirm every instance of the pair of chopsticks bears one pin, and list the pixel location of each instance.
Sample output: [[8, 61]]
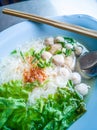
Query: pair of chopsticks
[[61, 25]]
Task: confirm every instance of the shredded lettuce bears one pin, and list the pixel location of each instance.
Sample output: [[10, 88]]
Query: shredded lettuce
[[57, 112]]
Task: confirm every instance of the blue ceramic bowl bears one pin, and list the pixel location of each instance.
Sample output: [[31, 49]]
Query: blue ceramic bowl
[[26, 31]]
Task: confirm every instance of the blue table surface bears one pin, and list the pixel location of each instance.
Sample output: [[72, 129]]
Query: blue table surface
[[38, 7]]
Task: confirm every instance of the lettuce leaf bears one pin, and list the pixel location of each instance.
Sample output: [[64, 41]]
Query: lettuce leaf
[[17, 89], [57, 112]]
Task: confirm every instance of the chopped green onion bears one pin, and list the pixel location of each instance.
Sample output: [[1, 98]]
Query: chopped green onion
[[41, 51], [58, 52], [48, 48], [30, 52], [62, 43], [37, 58], [34, 60], [70, 83], [14, 52], [43, 63], [70, 40], [68, 52], [21, 54]]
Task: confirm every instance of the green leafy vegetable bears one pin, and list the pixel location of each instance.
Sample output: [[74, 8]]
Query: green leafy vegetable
[[56, 112], [17, 89]]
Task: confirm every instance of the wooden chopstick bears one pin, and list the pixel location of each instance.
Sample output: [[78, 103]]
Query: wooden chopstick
[[61, 25]]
